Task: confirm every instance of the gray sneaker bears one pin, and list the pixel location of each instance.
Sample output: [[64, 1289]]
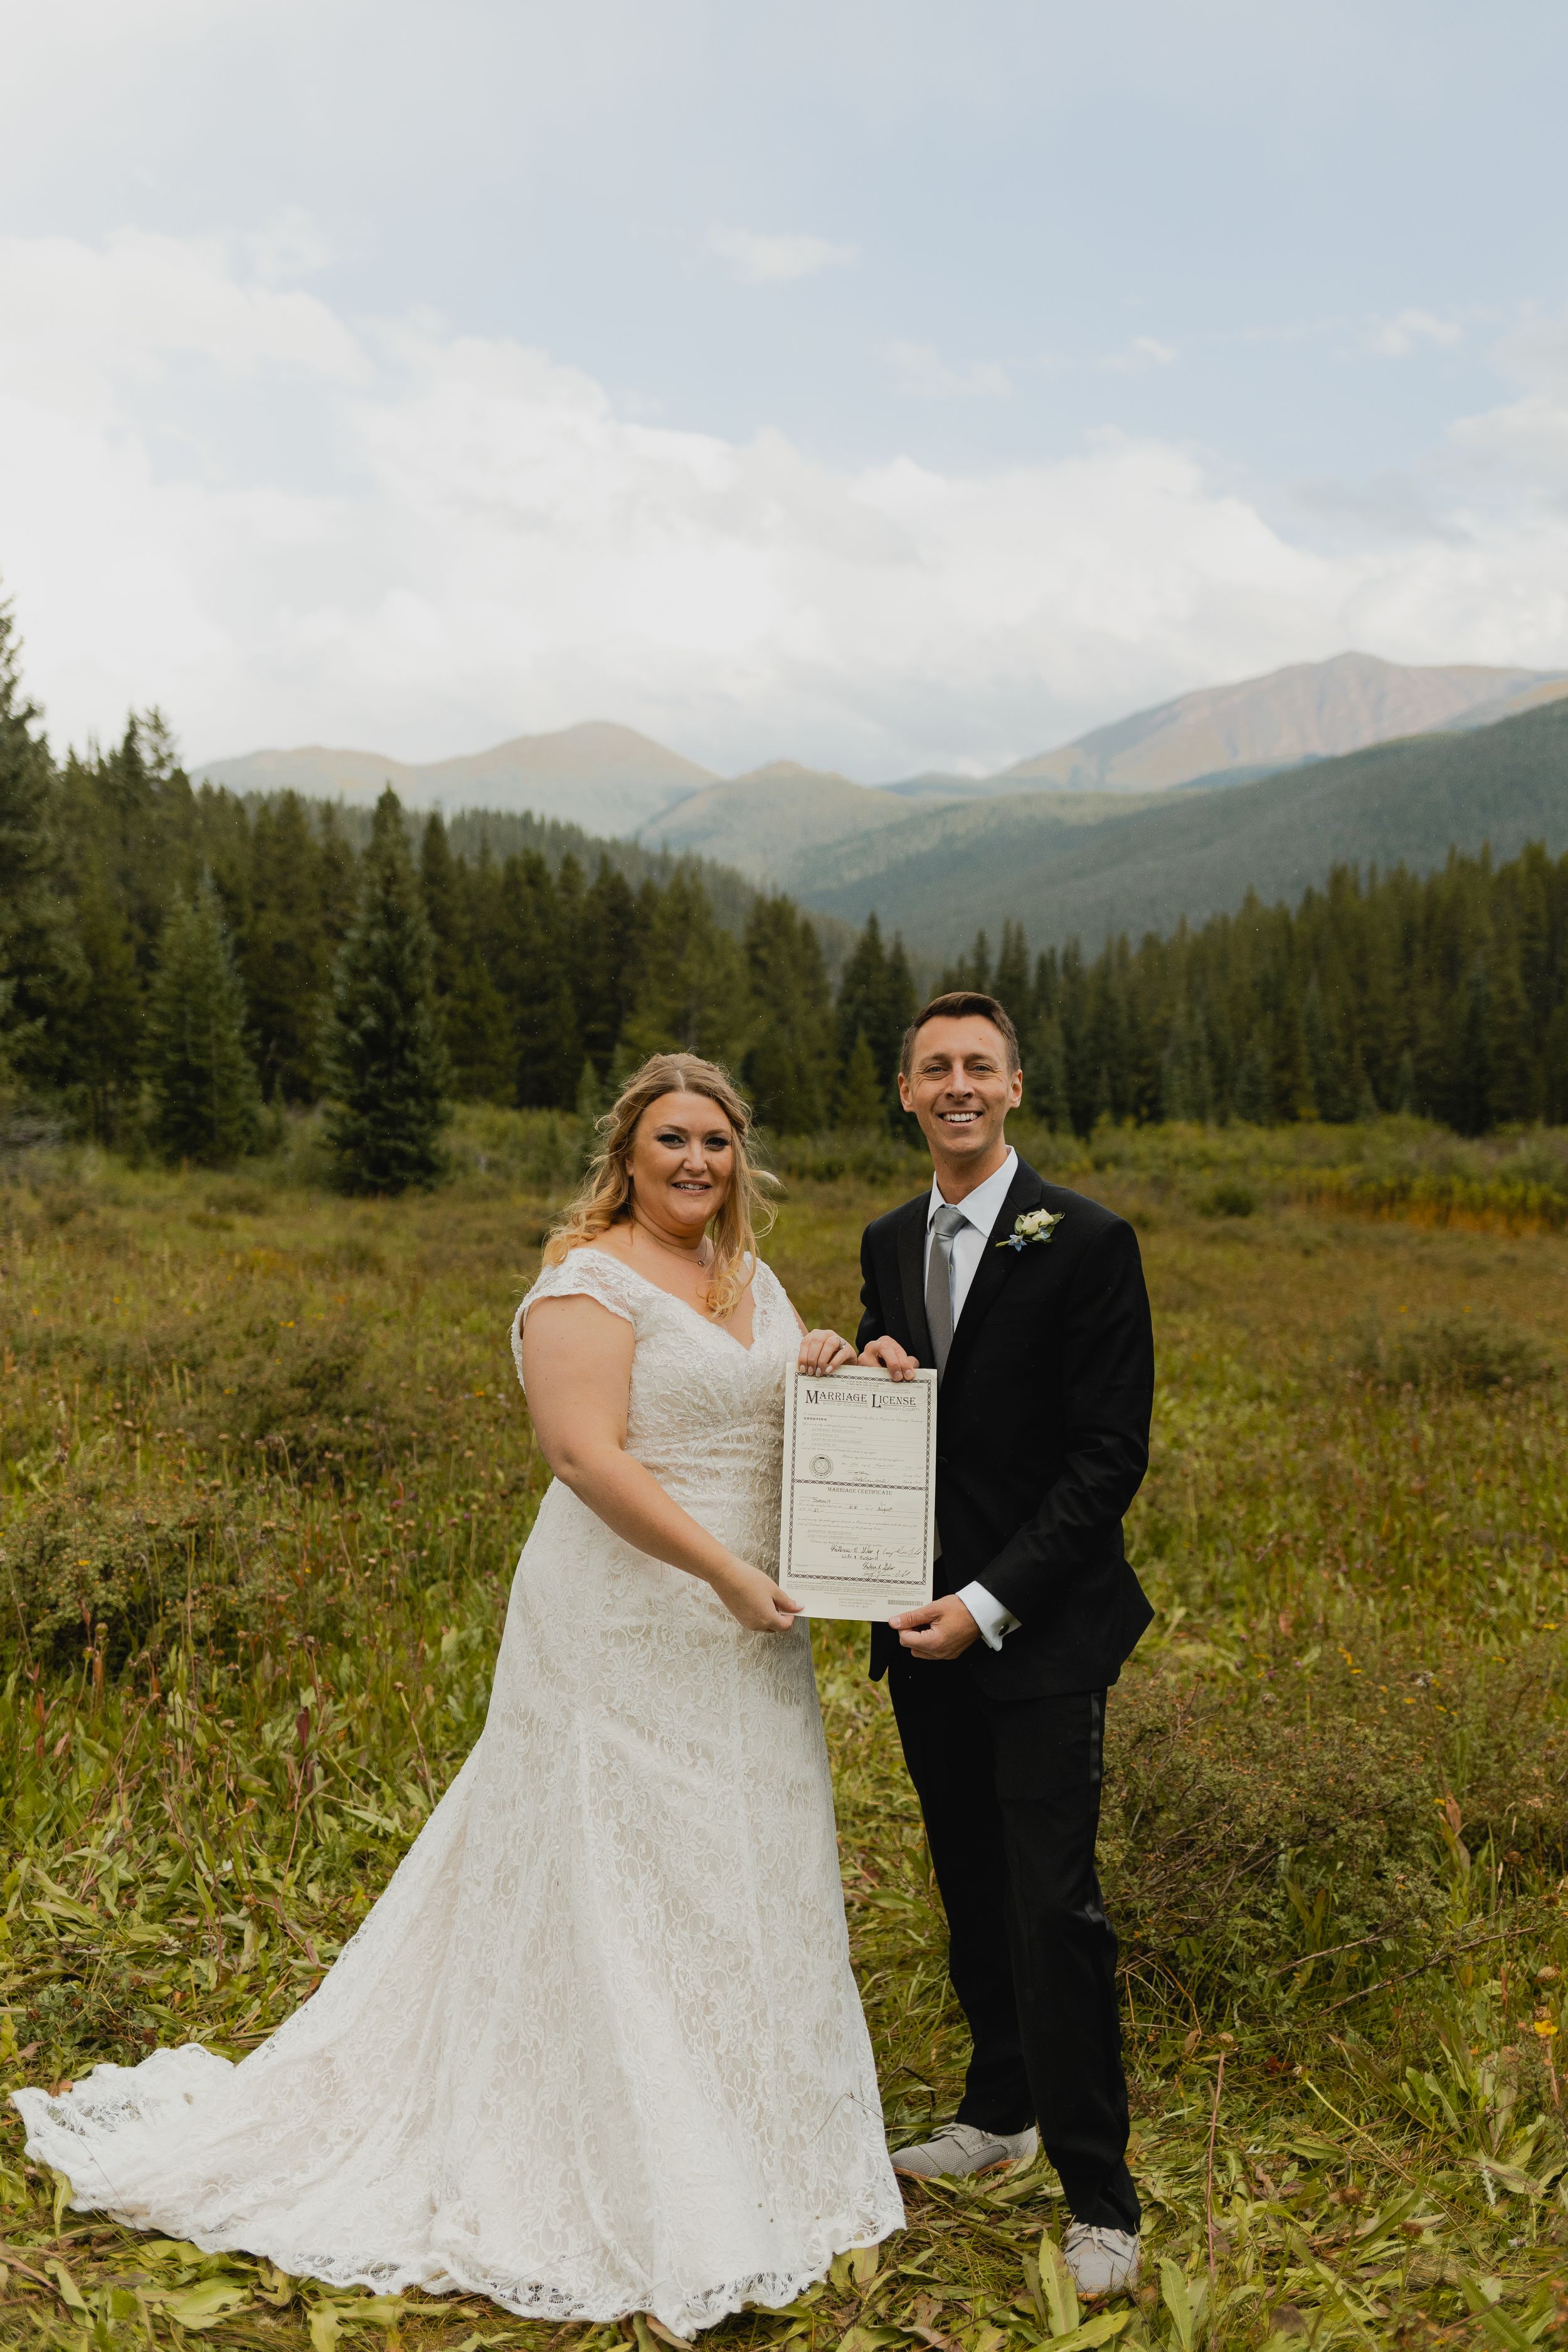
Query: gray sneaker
[[1102, 2262], [961, 2150]]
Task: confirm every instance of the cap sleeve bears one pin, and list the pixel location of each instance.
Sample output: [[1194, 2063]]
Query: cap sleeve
[[764, 1280], [584, 1274]]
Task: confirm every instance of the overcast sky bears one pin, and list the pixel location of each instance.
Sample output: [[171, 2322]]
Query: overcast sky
[[882, 385]]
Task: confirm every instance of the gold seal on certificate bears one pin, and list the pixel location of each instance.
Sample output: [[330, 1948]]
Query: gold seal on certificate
[[859, 1493]]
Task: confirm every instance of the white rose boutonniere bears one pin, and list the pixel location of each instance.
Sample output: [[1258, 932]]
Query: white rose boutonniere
[[1038, 1225]]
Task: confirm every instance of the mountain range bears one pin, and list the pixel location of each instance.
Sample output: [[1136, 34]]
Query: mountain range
[[1197, 854], [1174, 811], [1313, 710], [607, 778]]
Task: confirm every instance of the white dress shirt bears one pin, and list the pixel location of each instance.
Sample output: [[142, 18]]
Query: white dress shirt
[[980, 1209]]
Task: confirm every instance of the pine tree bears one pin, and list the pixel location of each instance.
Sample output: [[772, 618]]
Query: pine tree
[[789, 1069], [105, 1022], [1010, 984], [384, 1061], [1071, 1008], [862, 988], [479, 1016], [145, 858], [1046, 1076], [438, 888], [1328, 1077], [694, 998], [534, 977], [481, 1049], [590, 1105], [862, 1103], [900, 1002], [1515, 1089], [1554, 1069], [614, 938], [570, 916], [1253, 1096], [476, 1024], [1176, 1089], [285, 949], [1185, 1076], [204, 1095], [33, 957], [1468, 1091], [339, 879], [1292, 1086], [1107, 1042], [877, 1000]]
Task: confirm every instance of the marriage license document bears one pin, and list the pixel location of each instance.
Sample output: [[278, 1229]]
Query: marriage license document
[[859, 1493]]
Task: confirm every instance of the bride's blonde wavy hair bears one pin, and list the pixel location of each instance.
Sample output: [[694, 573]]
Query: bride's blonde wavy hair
[[606, 1197]]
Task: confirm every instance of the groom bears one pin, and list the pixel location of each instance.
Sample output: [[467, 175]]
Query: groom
[[1030, 1300]]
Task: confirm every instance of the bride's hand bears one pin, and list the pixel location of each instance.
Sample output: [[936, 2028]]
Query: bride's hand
[[754, 1600], [824, 1351]]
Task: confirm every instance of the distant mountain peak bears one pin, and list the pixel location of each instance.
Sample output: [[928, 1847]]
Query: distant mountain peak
[[778, 821], [602, 776], [763, 822], [790, 772], [1308, 710]]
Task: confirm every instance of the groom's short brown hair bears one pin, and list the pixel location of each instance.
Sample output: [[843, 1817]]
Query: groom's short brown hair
[[960, 1004]]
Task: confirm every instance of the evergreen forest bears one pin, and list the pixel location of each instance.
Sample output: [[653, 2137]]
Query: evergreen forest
[[177, 960]]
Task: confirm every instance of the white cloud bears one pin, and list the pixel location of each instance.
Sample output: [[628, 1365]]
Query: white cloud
[[291, 246], [88, 318], [1536, 352], [1396, 338], [464, 539], [775, 260], [925, 371], [1144, 351]]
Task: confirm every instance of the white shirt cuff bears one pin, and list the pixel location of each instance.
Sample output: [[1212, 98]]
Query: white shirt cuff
[[993, 1619]]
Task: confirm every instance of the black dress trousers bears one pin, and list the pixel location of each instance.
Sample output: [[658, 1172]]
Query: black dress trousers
[[1010, 1791]]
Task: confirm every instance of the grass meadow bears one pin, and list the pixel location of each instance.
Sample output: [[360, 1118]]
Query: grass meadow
[[265, 1476]]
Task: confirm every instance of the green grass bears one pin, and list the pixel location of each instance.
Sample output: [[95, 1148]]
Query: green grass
[[266, 1474]]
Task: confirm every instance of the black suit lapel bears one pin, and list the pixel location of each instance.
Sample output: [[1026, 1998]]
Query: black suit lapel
[[995, 1265], [912, 1277]]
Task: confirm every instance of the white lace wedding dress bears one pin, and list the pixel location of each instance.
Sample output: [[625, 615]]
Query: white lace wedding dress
[[597, 2049]]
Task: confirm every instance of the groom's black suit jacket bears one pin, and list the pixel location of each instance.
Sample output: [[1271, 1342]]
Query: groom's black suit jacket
[[1042, 1431]]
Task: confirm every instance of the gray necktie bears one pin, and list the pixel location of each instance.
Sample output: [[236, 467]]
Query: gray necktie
[[946, 1223]]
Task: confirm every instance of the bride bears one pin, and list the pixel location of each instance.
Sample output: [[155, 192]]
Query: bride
[[597, 2049]]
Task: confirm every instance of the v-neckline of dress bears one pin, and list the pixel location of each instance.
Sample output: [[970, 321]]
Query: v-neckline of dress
[[707, 1322]]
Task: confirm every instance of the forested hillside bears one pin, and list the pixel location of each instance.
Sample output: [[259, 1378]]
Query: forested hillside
[[940, 875], [554, 961], [1445, 995], [135, 908]]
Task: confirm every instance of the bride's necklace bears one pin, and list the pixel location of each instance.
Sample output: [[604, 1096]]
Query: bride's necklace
[[701, 1257]]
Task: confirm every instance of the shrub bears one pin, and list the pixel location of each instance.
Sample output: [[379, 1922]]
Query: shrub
[[92, 1572], [538, 1151], [1250, 1821], [1448, 1350], [1228, 1199]]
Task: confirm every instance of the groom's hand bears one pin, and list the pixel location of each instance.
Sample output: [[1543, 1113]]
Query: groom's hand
[[942, 1629], [892, 1359]]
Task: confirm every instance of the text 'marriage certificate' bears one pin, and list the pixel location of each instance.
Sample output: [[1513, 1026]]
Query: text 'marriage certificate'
[[859, 1493]]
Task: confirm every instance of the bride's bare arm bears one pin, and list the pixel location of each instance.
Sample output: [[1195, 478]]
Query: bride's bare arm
[[576, 1373]]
